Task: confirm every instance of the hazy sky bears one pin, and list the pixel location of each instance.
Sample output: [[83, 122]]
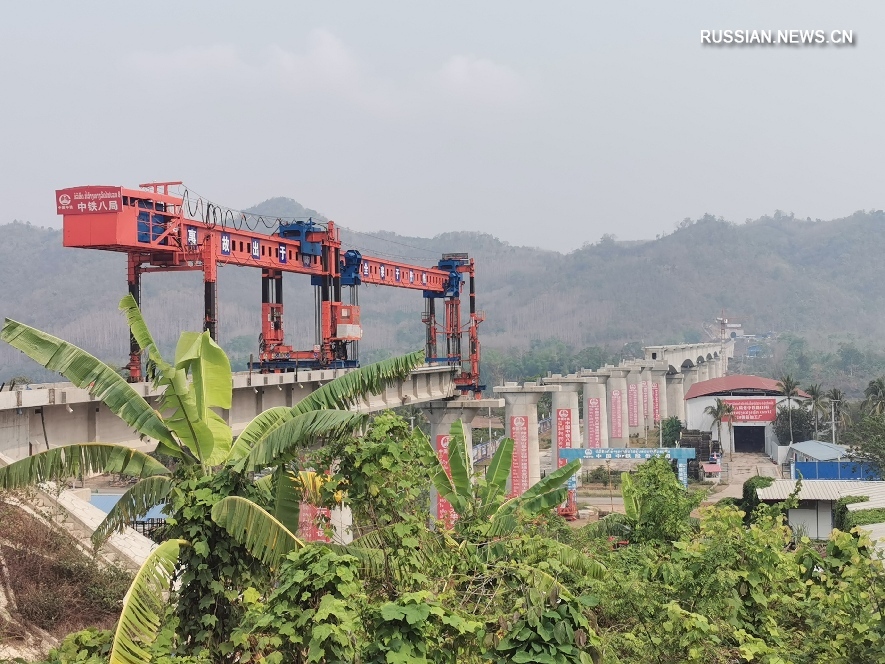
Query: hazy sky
[[544, 123]]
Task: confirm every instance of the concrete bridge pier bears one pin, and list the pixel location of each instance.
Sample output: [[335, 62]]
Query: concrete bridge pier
[[441, 415], [676, 396], [634, 400], [658, 394], [521, 424], [619, 435], [565, 415], [595, 409]]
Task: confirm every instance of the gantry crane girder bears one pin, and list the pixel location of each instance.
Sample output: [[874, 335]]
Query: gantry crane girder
[[151, 226]]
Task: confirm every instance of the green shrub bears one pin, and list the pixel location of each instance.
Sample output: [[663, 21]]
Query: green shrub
[[840, 510], [750, 500]]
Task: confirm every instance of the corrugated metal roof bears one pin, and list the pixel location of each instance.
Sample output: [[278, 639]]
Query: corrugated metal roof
[[732, 383], [711, 467], [821, 489], [819, 450]]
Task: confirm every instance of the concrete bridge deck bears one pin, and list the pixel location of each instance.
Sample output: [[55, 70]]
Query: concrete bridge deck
[[41, 416]]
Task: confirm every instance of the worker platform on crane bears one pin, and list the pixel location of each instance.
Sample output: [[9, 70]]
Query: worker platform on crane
[[159, 232]]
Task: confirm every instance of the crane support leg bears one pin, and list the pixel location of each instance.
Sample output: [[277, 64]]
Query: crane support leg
[[210, 288], [210, 298], [134, 279]]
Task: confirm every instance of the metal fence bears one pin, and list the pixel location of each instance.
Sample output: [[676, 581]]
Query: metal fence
[[833, 470], [148, 527]]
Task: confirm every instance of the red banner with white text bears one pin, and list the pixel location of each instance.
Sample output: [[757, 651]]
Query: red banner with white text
[[444, 510], [519, 471], [753, 410], [563, 431]]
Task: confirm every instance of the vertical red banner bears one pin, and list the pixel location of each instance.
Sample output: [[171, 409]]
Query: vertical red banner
[[617, 420], [519, 472], [444, 510], [656, 401], [309, 526], [563, 431], [633, 405], [592, 421], [645, 398]]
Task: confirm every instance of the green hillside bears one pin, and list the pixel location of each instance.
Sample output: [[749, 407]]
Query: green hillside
[[812, 279]]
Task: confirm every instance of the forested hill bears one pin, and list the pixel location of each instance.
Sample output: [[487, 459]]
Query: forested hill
[[813, 279]]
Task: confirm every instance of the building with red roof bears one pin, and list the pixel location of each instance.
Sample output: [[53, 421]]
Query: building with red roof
[[755, 401]]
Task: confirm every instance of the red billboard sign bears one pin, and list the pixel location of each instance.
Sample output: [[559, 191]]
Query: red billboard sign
[[656, 401], [645, 398], [444, 510], [633, 405], [310, 526], [89, 200], [617, 419], [592, 417], [519, 471], [563, 431], [753, 410]]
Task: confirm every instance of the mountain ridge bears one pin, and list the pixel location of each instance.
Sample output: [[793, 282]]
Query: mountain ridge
[[810, 278]]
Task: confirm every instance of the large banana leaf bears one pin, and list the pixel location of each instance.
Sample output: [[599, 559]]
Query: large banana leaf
[[61, 463], [209, 368], [288, 493], [347, 390], [88, 372], [631, 498], [613, 525], [256, 529], [143, 605], [296, 434], [142, 336], [440, 478], [498, 471], [460, 461], [549, 484], [535, 550], [136, 502]]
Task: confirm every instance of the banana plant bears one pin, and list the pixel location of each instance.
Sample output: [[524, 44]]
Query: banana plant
[[488, 521], [185, 424]]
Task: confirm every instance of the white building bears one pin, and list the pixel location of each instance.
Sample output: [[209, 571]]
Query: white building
[[755, 401]]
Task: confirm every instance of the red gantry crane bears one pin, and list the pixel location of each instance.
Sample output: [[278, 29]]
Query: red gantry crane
[[153, 228]]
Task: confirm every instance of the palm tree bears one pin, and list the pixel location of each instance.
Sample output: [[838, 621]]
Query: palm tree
[[818, 404], [720, 412], [839, 409], [874, 403], [789, 388], [729, 417], [202, 443]]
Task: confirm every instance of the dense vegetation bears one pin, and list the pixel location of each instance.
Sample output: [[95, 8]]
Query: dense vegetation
[[505, 581]]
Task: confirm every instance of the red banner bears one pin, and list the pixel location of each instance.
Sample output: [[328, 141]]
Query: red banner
[[519, 472], [592, 422], [89, 200], [310, 528], [645, 398], [753, 410], [633, 405], [563, 431], [656, 401], [444, 510], [617, 421]]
